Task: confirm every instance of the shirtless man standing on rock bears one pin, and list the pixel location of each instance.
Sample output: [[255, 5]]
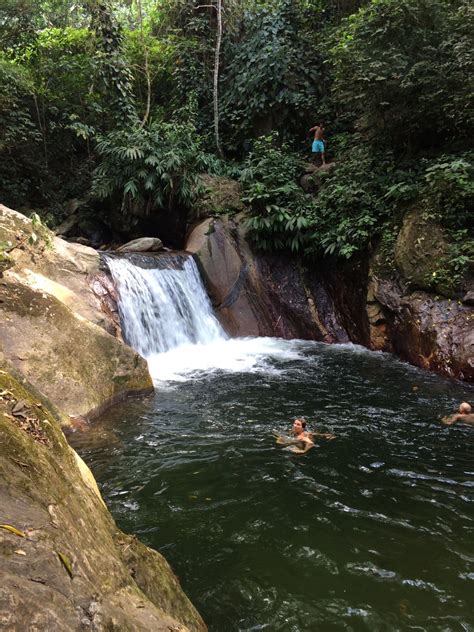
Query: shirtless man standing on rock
[[318, 146], [464, 416]]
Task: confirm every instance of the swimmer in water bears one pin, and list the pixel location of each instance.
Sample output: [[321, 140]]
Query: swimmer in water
[[302, 440], [463, 416]]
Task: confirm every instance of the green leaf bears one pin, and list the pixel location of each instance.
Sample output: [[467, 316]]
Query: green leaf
[[14, 530], [66, 563]]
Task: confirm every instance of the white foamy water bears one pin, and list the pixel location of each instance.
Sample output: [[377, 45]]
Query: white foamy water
[[163, 309], [237, 355], [167, 317]]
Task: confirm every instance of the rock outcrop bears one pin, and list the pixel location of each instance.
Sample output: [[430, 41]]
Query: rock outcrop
[[144, 244], [64, 565], [261, 295], [432, 333], [419, 247], [221, 195], [53, 328], [275, 295]]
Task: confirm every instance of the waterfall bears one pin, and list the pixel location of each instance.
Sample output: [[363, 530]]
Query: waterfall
[[163, 308], [167, 317]]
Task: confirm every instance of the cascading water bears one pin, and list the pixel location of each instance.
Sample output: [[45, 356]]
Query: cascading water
[[162, 309], [167, 317]]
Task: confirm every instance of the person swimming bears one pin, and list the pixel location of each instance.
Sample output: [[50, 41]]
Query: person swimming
[[300, 440], [464, 416]]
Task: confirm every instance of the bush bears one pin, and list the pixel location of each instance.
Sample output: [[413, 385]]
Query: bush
[[351, 209], [274, 75], [448, 191], [447, 196], [356, 200], [403, 69], [149, 168], [277, 205], [20, 139]]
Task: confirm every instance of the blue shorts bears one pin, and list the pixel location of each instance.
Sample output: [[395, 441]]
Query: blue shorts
[[318, 147]]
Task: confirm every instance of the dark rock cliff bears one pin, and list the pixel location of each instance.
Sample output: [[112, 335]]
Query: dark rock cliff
[[276, 295]]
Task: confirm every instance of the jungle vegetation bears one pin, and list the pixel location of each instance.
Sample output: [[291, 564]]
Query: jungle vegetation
[[119, 105]]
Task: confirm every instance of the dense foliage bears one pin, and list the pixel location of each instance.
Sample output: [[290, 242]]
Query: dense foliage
[[152, 166], [94, 105], [275, 74]]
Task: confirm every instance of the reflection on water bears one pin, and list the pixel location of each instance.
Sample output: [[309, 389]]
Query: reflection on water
[[371, 531]]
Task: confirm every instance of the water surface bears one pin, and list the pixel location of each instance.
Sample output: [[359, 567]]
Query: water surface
[[371, 531]]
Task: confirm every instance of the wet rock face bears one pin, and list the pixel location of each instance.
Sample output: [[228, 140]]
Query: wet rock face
[[435, 334], [59, 327], [274, 295], [346, 284], [103, 288], [64, 564], [261, 295]]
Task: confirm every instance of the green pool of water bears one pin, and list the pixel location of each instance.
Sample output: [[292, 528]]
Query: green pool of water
[[371, 531]]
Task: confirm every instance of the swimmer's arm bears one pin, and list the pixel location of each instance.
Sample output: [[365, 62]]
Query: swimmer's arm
[[284, 440], [450, 419], [463, 419], [323, 435], [308, 445]]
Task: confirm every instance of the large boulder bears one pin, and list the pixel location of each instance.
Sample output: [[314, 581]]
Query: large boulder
[[220, 195], [53, 329], [276, 295], [64, 564], [143, 244], [311, 180], [419, 247], [260, 295], [429, 331], [421, 326]]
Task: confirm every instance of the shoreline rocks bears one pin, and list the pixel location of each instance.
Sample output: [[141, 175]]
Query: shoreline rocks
[[54, 329], [273, 294], [64, 564]]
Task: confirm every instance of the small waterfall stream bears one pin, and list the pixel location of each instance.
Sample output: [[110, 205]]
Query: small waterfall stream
[[167, 317], [163, 308]]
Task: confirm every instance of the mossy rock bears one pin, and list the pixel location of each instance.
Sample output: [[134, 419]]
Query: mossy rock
[[221, 195], [419, 247], [65, 565], [76, 364], [53, 329]]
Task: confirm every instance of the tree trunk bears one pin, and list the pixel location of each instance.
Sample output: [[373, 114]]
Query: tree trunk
[[146, 69], [216, 75]]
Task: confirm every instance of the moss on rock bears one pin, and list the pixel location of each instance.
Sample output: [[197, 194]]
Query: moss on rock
[[75, 363], [73, 570], [420, 245], [221, 195], [50, 323]]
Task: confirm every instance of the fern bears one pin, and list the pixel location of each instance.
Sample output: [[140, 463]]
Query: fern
[[154, 166]]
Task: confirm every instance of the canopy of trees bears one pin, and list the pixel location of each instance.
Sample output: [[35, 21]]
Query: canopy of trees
[[120, 104]]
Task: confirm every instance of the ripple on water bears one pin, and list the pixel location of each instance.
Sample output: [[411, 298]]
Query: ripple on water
[[371, 531]]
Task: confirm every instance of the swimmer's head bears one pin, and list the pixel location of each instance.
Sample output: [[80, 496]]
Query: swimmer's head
[[299, 424], [465, 408]]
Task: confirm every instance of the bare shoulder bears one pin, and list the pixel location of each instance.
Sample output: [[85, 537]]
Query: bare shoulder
[[457, 417]]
